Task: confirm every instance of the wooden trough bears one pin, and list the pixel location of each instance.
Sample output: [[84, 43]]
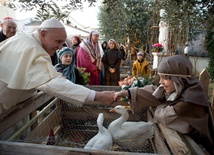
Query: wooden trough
[[42, 113]]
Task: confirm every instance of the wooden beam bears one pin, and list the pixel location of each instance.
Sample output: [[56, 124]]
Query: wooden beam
[[193, 146], [22, 110], [159, 140], [175, 142], [205, 79], [212, 104], [173, 139], [10, 148], [51, 121], [32, 121]]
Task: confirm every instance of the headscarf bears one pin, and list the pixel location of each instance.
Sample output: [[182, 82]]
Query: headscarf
[[92, 49], [104, 42], [187, 87], [115, 43], [67, 70]]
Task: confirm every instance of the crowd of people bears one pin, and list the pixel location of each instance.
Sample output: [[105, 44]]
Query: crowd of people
[[26, 67]]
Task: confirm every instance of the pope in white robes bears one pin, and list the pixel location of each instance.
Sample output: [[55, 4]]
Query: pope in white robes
[[26, 67]]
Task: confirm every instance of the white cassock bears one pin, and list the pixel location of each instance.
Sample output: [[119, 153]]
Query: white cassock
[[26, 67]]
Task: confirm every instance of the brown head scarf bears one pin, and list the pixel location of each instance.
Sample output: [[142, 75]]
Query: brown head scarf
[[188, 88]]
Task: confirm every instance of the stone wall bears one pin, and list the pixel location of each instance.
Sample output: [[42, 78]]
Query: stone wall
[[199, 63]]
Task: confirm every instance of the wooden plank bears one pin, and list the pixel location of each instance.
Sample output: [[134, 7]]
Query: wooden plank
[[32, 121], [20, 105], [205, 79], [15, 148], [32, 115], [159, 142], [173, 139], [42, 131], [212, 104], [193, 147], [104, 88], [23, 109], [175, 142]]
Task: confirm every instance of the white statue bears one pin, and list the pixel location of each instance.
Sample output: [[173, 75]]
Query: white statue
[[163, 32]]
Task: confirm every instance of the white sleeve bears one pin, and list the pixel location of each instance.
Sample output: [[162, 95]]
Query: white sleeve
[[67, 91]]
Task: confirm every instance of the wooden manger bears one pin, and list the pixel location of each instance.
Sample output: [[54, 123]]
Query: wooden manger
[[74, 126]]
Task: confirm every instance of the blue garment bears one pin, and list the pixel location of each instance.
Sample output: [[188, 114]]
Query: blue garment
[[67, 70]]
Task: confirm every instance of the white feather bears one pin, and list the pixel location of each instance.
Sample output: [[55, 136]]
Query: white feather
[[129, 135], [103, 139]]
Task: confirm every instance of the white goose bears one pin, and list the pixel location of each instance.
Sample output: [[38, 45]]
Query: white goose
[[103, 139], [129, 135]]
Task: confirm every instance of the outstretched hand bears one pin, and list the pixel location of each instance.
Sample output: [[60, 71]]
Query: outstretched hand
[[119, 94], [106, 97]]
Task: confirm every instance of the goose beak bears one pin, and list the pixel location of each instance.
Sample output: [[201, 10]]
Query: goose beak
[[113, 110]]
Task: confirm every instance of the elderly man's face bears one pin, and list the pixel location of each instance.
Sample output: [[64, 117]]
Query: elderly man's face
[[52, 39], [9, 28]]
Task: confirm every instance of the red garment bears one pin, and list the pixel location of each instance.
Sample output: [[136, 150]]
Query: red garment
[[84, 61]]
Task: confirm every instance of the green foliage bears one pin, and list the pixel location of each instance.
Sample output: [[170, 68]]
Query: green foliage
[[141, 82], [185, 19], [47, 9], [125, 19], [210, 48], [85, 75], [138, 82], [209, 40]]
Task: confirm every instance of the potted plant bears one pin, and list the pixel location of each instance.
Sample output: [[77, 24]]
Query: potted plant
[[157, 48]]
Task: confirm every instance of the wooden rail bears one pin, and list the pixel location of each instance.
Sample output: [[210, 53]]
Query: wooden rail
[[22, 110]]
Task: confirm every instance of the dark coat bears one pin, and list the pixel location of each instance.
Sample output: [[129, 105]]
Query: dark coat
[[2, 36], [112, 59]]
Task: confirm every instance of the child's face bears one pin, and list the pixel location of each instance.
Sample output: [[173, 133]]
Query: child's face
[[167, 84], [111, 45], [139, 57], [66, 59]]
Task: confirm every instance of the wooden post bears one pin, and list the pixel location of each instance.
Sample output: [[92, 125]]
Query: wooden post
[[205, 80], [212, 103]]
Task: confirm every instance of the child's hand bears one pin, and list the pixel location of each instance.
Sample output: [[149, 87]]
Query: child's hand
[[118, 95]]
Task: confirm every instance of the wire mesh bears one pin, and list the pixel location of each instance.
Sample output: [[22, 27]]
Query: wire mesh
[[65, 124]]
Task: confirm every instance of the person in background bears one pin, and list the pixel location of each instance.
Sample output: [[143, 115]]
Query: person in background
[[89, 57], [8, 28], [121, 48], [75, 41], [55, 57], [104, 46], [111, 61], [30, 69], [180, 100], [140, 67], [67, 67]]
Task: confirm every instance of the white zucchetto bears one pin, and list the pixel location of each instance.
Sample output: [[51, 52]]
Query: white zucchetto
[[51, 23]]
